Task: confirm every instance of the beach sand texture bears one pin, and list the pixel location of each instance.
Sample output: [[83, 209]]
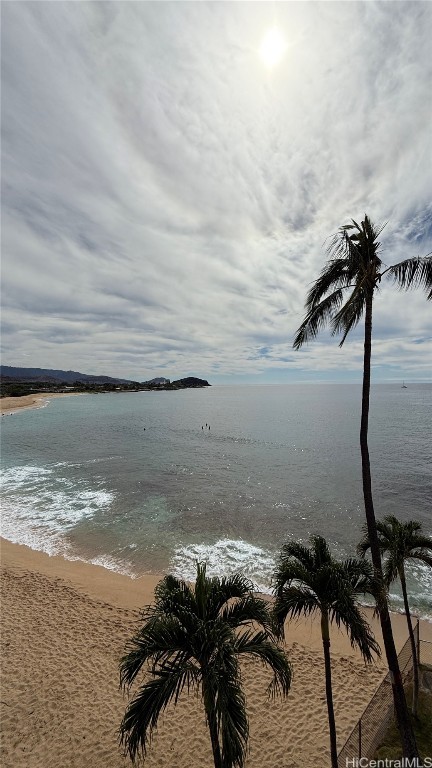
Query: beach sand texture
[[64, 628], [10, 405]]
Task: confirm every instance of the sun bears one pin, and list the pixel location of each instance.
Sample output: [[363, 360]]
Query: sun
[[273, 47]]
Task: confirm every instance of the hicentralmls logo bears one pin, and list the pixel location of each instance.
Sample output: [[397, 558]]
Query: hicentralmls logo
[[404, 762]]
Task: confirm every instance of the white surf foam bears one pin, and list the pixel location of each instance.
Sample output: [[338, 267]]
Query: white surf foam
[[224, 557], [39, 505]]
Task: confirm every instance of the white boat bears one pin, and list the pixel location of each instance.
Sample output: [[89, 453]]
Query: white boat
[[404, 386]]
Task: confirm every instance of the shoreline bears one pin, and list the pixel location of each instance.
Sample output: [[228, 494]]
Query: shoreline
[[132, 593], [11, 405], [65, 625]]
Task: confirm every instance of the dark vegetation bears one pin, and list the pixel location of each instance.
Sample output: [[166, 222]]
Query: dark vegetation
[[16, 382], [190, 640], [391, 748], [309, 580]]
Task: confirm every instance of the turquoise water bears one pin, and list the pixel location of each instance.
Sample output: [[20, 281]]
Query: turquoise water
[[138, 483]]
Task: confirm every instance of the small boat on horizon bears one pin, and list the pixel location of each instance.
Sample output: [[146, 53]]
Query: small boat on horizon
[[404, 386]]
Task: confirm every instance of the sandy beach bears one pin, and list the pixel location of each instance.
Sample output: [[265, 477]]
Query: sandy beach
[[64, 628], [10, 405]]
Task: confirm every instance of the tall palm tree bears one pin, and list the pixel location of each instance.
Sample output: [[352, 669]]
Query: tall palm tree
[[190, 638], [340, 296], [401, 542], [310, 580]]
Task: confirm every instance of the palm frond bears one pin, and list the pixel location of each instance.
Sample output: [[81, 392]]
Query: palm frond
[[398, 541], [158, 640], [246, 610], [354, 263], [358, 244], [391, 568], [294, 549], [420, 541], [359, 575], [335, 274], [317, 318], [321, 551], [359, 632], [188, 638], [412, 273], [421, 555], [230, 707], [173, 596], [257, 644], [294, 601], [350, 314], [330, 587], [384, 534], [143, 712], [226, 589]]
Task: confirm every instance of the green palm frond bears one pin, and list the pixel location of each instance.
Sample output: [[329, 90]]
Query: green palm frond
[[246, 610], [289, 571], [347, 613], [157, 641], [321, 583], [318, 317], [292, 602], [350, 314], [142, 714], [391, 571], [358, 244], [187, 639], [321, 551], [335, 274], [355, 264], [359, 574], [398, 542], [257, 644], [422, 556], [231, 709], [296, 550], [228, 588], [173, 597], [413, 273]]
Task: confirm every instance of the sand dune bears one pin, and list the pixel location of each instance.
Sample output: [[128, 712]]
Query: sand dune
[[64, 628]]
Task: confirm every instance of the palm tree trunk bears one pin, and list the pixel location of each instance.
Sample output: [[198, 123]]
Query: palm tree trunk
[[212, 724], [325, 632], [402, 716], [413, 643]]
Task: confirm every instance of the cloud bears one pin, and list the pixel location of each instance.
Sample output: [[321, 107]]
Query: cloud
[[166, 199]]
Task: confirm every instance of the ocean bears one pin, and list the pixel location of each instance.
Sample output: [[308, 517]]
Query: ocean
[[154, 481]]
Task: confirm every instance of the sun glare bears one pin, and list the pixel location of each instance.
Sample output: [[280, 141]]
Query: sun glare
[[273, 47]]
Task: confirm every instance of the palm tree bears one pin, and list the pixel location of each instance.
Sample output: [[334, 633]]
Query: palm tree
[[401, 542], [310, 580], [340, 296], [190, 639]]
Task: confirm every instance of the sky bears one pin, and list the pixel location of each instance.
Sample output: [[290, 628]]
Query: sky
[[167, 195]]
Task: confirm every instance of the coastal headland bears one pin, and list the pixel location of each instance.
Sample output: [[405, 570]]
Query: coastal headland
[[23, 382]]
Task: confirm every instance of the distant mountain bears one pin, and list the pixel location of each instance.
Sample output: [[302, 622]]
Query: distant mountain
[[10, 373]]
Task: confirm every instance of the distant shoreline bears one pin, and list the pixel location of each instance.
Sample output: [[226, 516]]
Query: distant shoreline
[[10, 405]]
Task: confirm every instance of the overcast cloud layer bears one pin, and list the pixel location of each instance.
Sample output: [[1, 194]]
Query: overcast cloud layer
[[165, 198]]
